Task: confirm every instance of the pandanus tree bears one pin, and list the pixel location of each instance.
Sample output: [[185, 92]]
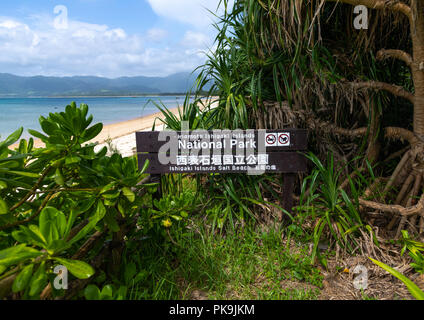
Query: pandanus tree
[[412, 163], [302, 63]]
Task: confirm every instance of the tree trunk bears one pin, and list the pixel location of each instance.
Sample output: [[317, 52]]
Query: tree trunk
[[417, 34]]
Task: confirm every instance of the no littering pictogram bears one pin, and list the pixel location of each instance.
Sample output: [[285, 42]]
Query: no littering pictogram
[[270, 139]]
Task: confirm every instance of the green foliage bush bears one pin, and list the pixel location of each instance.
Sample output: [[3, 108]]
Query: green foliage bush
[[336, 217], [415, 250], [53, 199]]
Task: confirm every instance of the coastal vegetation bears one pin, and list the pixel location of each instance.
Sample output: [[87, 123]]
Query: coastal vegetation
[[277, 64]]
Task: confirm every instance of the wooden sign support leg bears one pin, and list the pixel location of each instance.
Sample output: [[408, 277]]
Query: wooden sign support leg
[[287, 197], [157, 178]]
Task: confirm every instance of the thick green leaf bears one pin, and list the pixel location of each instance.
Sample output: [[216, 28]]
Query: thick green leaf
[[20, 236], [12, 138], [129, 194], [4, 209], [58, 177], [39, 280], [110, 202], [19, 184], [121, 209], [108, 187], [145, 166], [9, 164], [92, 292], [34, 233], [84, 110], [23, 146], [101, 211], [48, 223], [79, 269], [92, 132], [16, 254], [61, 223], [2, 268], [416, 292], [72, 160], [22, 280], [112, 195], [25, 174], [57, 246], [48, 127], [70, 222], [14, 157], [85, 205], [30, 145], [107, 293], [38, 135]]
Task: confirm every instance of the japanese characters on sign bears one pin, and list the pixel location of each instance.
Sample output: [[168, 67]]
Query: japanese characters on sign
[[223, 162]]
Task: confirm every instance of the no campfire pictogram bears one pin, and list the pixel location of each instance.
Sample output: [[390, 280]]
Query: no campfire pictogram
[[271, 140]]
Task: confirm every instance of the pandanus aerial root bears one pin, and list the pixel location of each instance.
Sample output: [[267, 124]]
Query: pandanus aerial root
[[408, 207]]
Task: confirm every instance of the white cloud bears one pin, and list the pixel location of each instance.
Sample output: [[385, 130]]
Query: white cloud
[[196, 39], [194, 12], [92, 49], [156, 34], [10, 24]]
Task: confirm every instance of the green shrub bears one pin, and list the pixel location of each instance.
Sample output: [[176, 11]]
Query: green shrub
[[336, 217], [415, 250], [53, 199]]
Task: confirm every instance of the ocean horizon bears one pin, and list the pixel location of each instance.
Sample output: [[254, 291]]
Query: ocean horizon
[[25, 112]]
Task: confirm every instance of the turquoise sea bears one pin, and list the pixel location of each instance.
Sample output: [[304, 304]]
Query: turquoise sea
[[25, 112]]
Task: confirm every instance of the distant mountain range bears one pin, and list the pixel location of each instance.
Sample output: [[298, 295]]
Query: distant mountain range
[[40, 86]]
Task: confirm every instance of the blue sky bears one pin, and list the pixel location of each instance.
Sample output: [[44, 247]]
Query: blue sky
[[108, 38]]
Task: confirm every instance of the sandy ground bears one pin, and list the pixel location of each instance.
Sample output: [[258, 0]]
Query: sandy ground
[[121, 136]]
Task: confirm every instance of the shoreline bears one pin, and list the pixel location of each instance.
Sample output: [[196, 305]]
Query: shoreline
[[120, 135], [120, 129], [123, 128]]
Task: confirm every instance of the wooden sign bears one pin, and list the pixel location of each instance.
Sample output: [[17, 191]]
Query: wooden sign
[[223, 151]]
